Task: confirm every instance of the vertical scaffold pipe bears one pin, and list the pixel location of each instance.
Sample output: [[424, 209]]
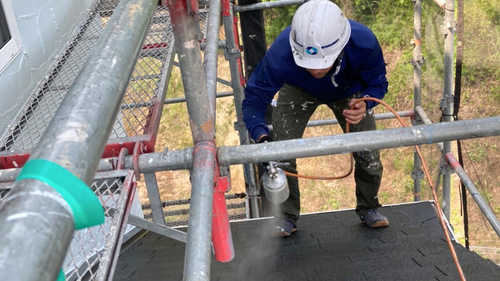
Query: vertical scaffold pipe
[[221, 231], [417, 89], [447, 102], [211, 53], [36, 222], [198, 246], [235, 68]]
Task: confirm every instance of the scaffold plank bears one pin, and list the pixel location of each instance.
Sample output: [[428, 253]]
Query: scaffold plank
[[147, 88], [328, 246]]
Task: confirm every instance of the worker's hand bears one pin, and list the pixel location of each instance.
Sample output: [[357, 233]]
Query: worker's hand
[[357, 113]]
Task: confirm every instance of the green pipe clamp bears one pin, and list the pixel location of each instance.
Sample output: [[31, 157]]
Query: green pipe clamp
[[86, 207]]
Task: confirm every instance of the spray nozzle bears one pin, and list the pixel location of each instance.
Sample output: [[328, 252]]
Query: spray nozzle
[[272, 168]]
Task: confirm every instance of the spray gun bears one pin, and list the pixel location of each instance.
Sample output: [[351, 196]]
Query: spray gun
[[275, 183]]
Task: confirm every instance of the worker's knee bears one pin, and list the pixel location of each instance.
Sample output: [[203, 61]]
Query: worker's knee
[[369, 161]]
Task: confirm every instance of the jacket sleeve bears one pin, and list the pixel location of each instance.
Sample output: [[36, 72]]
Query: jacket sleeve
[[259, 92], [373, 74]]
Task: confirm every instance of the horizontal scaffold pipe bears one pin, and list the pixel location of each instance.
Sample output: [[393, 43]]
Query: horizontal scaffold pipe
[[219, 80], [361, 141], [267, 5], [221, 44], [317, 146], [183, 99], [380, 116], [326, 145], [37, 223]]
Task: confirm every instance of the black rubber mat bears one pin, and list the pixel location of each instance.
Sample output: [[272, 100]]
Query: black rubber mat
[[327, 246]]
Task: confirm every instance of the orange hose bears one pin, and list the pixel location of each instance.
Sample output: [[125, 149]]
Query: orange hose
[[426, 171]]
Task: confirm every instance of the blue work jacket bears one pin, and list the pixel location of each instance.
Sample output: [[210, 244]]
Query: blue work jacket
[[362, 70]]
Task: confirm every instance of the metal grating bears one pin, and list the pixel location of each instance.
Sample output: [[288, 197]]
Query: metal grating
[[176, 212], [144, 90], [203, 21], [146, 82], [92, 251]]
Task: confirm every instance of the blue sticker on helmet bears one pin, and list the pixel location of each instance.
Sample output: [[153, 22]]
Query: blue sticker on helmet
[[311, 51]]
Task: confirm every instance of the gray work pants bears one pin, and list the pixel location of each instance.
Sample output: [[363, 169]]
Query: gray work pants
[[293, 109]]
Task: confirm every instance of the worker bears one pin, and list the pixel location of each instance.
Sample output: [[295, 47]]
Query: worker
[[322, 58]]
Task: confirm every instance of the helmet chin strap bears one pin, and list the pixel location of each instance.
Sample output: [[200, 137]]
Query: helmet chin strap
[[336, 66]]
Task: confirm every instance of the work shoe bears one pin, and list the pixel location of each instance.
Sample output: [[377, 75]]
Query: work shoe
[[284, 228], [374, 219]]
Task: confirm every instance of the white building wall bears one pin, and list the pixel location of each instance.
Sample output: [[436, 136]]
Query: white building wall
[[45, 27]]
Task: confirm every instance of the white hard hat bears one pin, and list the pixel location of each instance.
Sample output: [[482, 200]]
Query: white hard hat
[[319, 33]]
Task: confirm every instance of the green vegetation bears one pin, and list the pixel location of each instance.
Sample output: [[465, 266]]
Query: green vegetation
[[376, 14]]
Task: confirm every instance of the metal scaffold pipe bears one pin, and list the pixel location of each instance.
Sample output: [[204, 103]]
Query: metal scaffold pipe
[[179, 100], [268, 5], [422, 115], [221, 232], [417, 62], [211, 53], [192, 73], [201, 117], [318, 146], [199, 235], [233, 55], [352, 142], [379, 116], [447, 102], [221, 44], [74, 140], [490, 215]]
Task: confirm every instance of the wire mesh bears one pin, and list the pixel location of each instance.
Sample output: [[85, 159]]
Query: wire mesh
[[92, 249], [203, 20], [89, 250], [141, 95]]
